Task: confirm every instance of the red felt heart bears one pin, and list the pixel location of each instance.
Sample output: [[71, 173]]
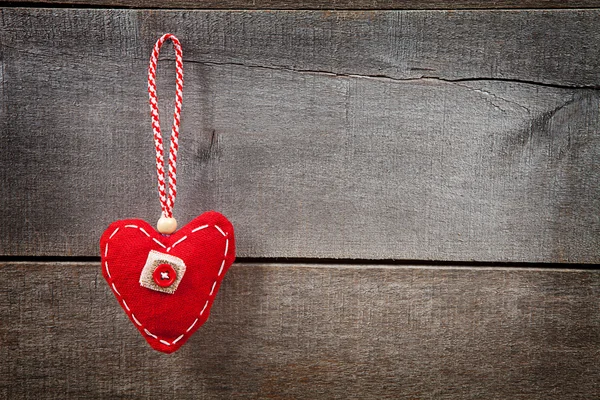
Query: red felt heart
[[167, 302]]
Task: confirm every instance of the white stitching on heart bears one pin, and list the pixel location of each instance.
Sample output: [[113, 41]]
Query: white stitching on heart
[[177, 242], [150, 333], [199, 228], [115, 288], [220, 230], [113, 234], [158, 242], [178, 338], [204, 308], [136, 320], [192, 325], [163, 246], [108, 272]]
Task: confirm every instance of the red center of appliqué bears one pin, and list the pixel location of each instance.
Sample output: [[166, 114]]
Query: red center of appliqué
[[164, 275]]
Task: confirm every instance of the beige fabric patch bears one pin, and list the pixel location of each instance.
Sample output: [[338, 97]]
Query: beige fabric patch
[[156, 258]]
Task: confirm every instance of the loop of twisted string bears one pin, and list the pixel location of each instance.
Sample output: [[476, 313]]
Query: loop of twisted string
[[166, 201]]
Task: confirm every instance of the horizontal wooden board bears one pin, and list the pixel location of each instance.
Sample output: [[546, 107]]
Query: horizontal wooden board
[[319, 4], [336, 135], [312, 331]]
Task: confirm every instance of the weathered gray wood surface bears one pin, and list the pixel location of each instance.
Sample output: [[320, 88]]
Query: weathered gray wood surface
[[322, 4], [314, 132], [312, 331]]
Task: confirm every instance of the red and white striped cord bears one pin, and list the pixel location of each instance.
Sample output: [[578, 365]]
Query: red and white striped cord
[[166, 202]]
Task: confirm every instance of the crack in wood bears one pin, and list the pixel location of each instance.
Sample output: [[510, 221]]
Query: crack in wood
[[395, 79]]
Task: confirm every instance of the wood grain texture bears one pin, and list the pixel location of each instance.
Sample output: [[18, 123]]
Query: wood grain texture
[[312, 331], [369, 135], [319, 4]]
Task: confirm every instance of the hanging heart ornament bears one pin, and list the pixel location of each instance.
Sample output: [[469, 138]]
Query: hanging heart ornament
[[167, 283], [166, 279]]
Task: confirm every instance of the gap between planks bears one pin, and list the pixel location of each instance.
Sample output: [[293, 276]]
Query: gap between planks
[[333, 264]]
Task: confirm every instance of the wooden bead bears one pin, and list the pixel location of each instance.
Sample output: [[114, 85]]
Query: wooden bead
[[166, 225]]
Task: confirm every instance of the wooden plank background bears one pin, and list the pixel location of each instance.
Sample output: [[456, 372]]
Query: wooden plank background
[[366, 135], [461, 140], [313, 331], [319, 4]]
